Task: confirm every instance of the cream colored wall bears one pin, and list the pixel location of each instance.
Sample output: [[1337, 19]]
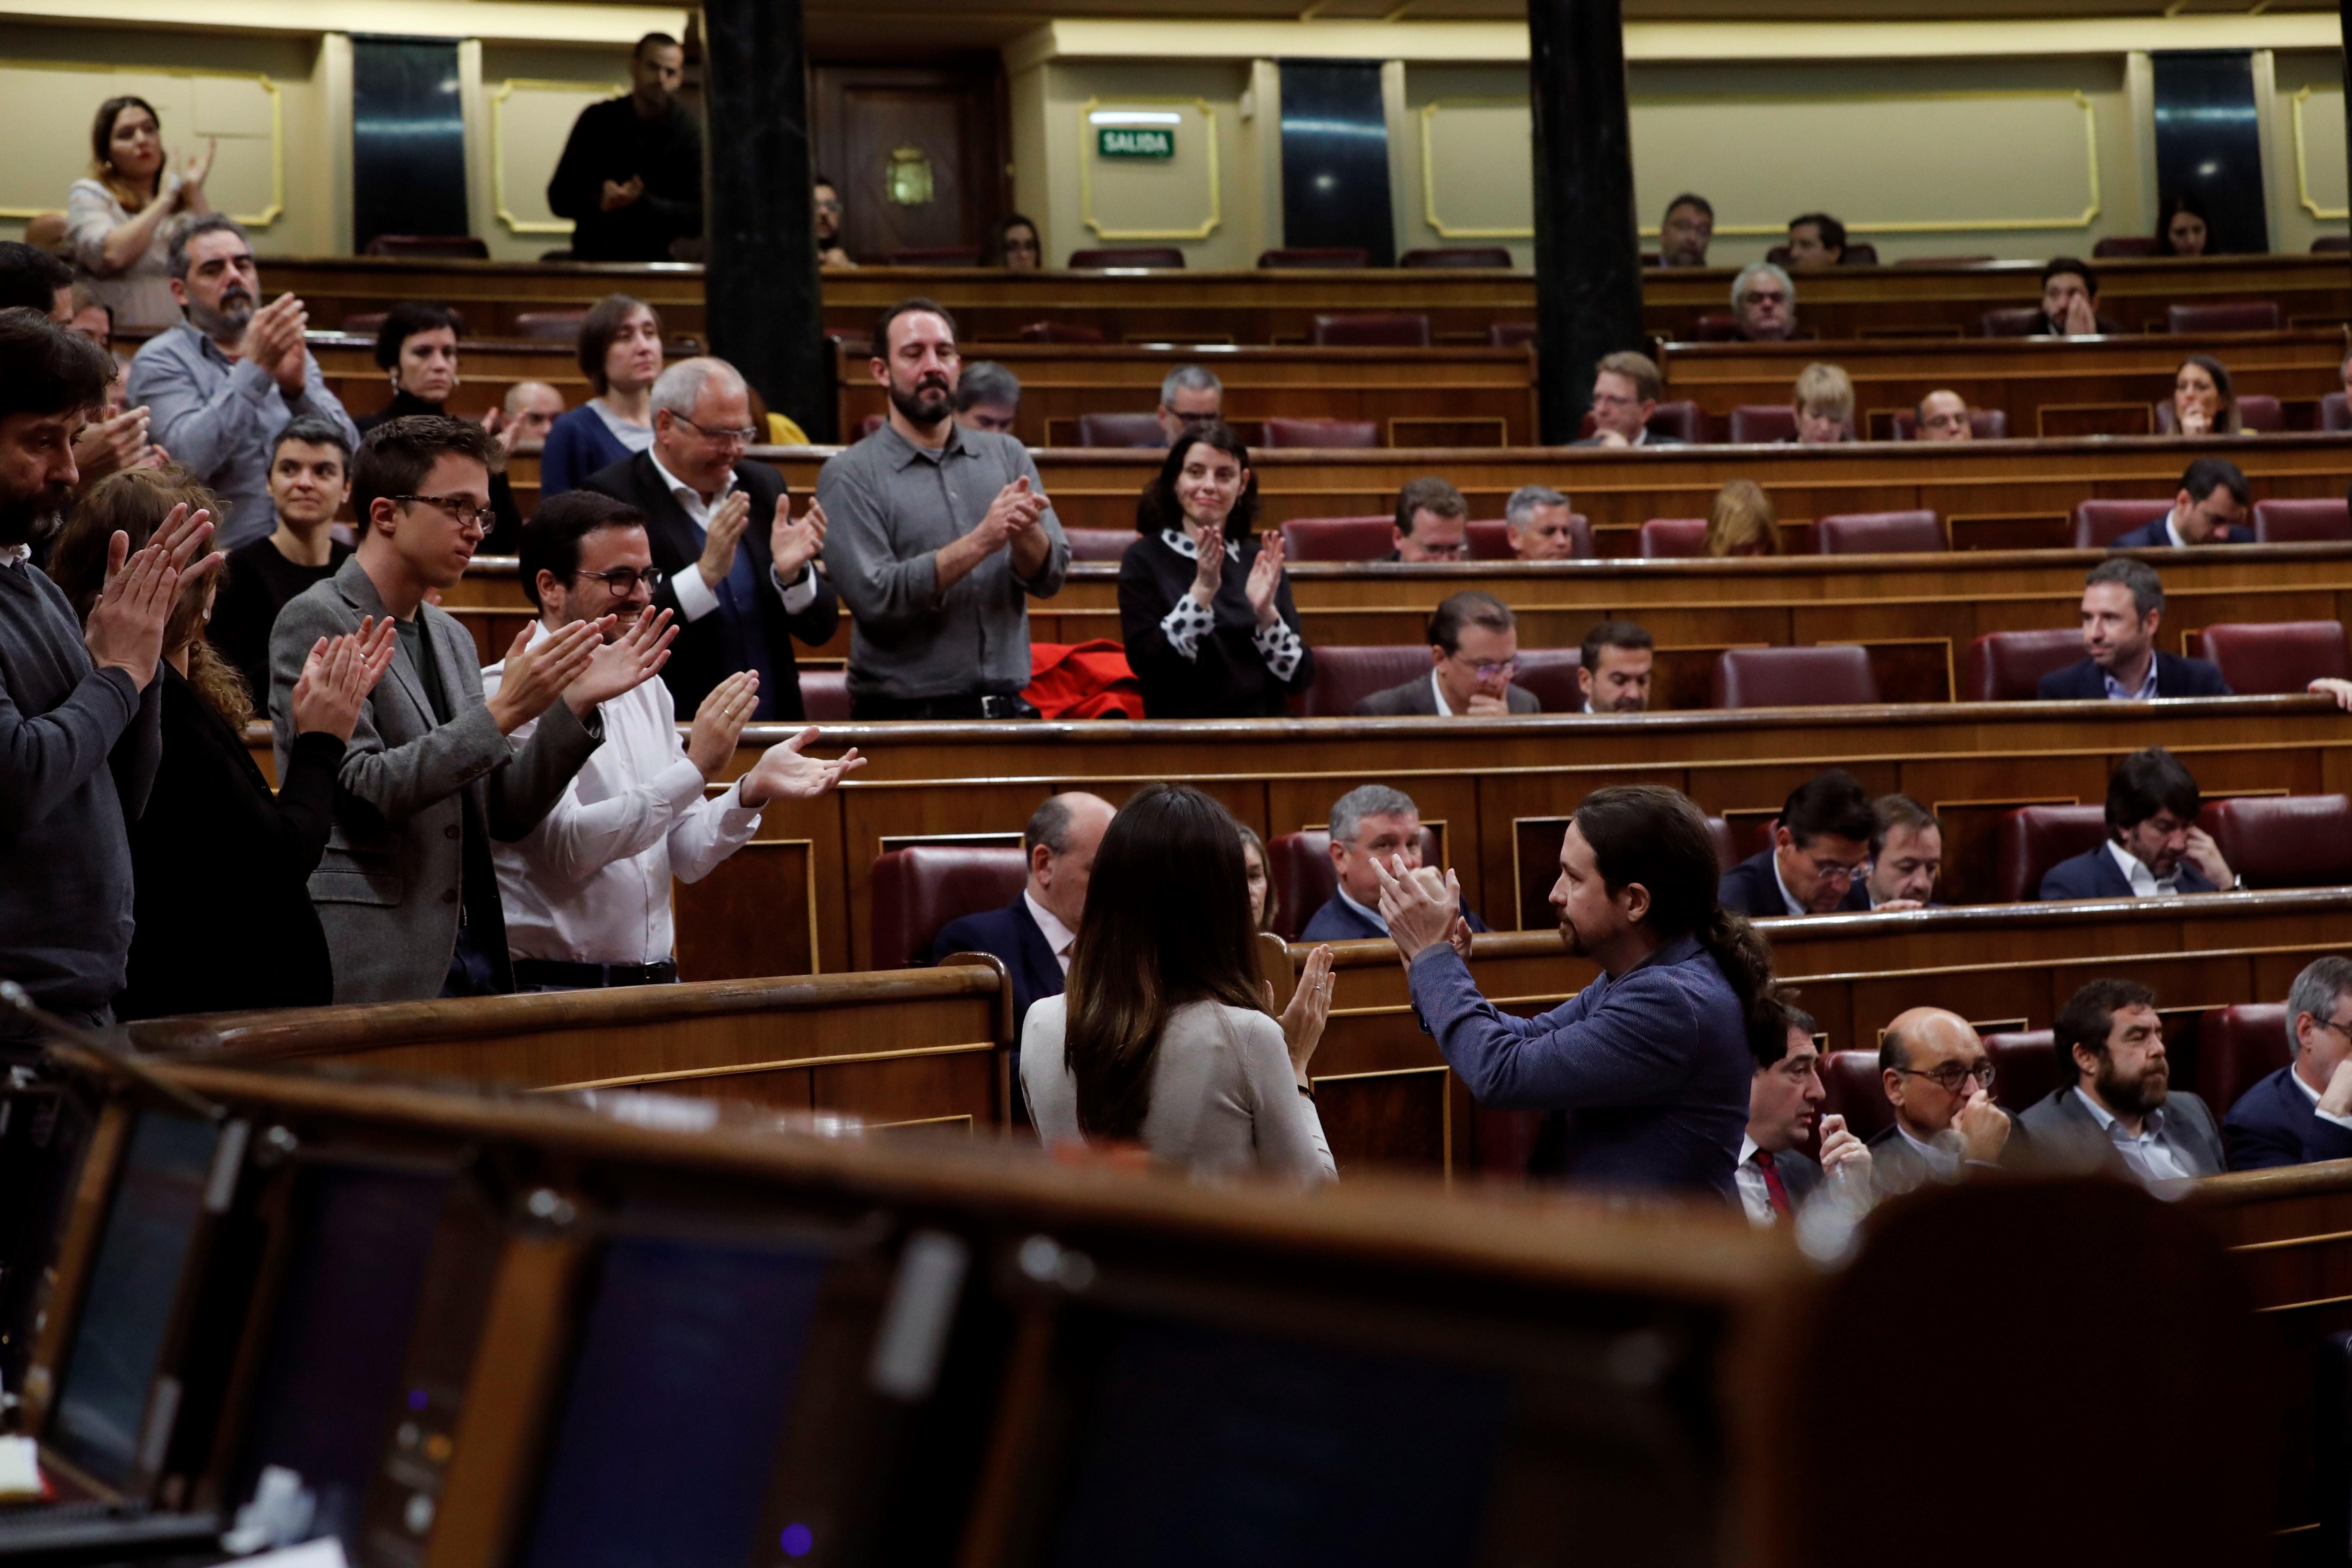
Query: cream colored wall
[[2307, 172], [520, 110]]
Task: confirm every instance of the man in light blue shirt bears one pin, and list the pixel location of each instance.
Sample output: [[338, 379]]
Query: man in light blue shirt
[[221, 385]]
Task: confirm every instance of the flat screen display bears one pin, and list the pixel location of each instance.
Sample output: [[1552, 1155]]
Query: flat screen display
[[126, 1310], [361, 1241], [1202, 1446], [688, 1359]]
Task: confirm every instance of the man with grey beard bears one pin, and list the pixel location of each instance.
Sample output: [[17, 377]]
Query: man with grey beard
[[221, 385]]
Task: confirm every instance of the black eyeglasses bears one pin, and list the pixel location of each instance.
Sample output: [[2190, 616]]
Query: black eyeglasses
[[623, 580], [461, 509], [1951, 1075]]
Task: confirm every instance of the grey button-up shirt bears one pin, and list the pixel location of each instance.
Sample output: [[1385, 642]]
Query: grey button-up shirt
[[890, 506], [219, 418]]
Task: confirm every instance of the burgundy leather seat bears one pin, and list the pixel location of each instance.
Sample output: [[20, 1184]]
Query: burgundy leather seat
[[2256, 411], [1304, 877], [1060, 332], [1681, 420], [1714, 328], [2231, 316], [1880, 533], [1984, 424], [870, 424], [1794, 677], [1672, 537], [549, 326], [934, 255], [2237, 1047], [2285, 840], [2126, 245], [1346, 676], [2302, 521], [1857, 1092], [1490, 539], [2336, 412], [917, 890], [2331, 244], [1509, 334], [2014, 322], [1551, 674], [463, 246], [1331, 435], [2099, 523], [2030, 840], [1130, 430], [1753, 424], [1339, 538], [825, 696], [1456, 256], [1387, 329], [2024, 1067], [367, 324], [2008, 666], [1316, 256], [1727, 853], [2263, 659], [1098, 543], [1147, 255]]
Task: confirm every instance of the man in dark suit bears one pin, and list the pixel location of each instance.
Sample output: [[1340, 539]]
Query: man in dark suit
[[2070, 302], [1775, 1176], [2210, 508], [1821, 847], [2114, 1107], [1906, 855], [1370, 825], [2154, 844], [2123, 601], [1625, 387], [2303, 1112], [1474, 648], [739, 573], [1033, 935], [1939, 1080]]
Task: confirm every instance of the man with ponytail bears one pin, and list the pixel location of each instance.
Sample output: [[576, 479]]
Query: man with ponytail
[[1644, 1072]]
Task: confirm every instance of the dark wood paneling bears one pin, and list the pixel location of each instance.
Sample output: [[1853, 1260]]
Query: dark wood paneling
[[950, 114]]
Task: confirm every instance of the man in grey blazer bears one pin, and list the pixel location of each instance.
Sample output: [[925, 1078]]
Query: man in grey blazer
[[1474, 648], [2114, 1107], [407, 891]]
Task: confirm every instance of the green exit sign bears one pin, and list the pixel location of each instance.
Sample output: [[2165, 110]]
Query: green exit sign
[[1135, 141]]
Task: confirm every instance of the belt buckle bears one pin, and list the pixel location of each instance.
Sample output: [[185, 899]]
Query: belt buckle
[[992, 706]]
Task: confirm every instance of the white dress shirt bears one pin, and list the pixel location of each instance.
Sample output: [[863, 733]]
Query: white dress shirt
[[1753, 1195], [2144, 883], [1445, 710], [697, 598], [590, 884], [1942, 1162], [2313, 1095], [12, 554], [1371, 914], [2144, 692], [1787, 896], [2150, 1154], [1058, 937]]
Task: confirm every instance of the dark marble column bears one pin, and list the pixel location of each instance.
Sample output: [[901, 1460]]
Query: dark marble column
[[766, 315], [1587, 248]]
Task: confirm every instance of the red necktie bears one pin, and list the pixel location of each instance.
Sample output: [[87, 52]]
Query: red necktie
[[1779, 1194]]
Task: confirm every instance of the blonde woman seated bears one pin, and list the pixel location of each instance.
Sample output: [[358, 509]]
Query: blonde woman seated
[[1740, 521], [1824, 406], [2203, 401], [1167, 1035]]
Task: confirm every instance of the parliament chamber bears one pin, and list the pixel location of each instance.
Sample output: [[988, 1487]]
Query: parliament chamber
[[720, 1217]]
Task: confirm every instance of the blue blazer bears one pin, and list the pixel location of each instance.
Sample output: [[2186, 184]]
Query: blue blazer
[[1752, 890], [2154, 535], [2275, 1123], [2084, 682], [1011, 934], [2093, 874], [578, 445], [1335, 922]]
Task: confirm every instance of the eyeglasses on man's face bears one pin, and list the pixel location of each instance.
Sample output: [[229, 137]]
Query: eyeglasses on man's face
[[1832, 871], [743, 435], [622, 580], [1952, 1075], [461, 510], [1489, 671]]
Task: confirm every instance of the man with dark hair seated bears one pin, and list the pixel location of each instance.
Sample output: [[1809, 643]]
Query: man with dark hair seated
[[2070, 302], [2123, 600], [1775, 1176], [2303, 1112], [1816, 239], [1937, 1077], [987, 397], [1613, 672], [1035, 933], [1371, 826], [1474, 648], [1906, 855], [1819, 849], [2154, 844], [2210, 508], [2114, 1105], [1432, 523]]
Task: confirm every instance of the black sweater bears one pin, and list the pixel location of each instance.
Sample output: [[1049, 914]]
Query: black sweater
[[1227, 678], [611, 141], [257, 581]]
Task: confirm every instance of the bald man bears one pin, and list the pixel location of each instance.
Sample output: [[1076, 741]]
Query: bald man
[[1943, 416], [531, 408], [1939, 1080], [1035, 933]]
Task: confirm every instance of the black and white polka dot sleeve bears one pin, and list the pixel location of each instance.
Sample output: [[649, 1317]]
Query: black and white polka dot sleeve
[[1188, 623], [1281, 647]]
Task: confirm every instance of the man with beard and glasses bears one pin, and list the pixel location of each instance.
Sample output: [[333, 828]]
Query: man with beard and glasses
[[1644, 1073], [2118, 1109], [940, 537], [80, 710], [220, 386]]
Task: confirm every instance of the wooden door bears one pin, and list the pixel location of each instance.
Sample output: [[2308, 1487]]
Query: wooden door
[[917, 153]]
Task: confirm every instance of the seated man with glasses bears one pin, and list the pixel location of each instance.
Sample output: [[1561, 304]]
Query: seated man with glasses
[[739, 574], [1821, 847], [2302, 1113], [1765, 301], [2114, 1106], [587, 891], [1939, 1080], [1474, 651]]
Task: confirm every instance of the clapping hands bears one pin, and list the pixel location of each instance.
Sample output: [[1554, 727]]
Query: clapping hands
[[339, 675]]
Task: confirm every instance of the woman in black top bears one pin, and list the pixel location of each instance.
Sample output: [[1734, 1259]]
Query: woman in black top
[[417, 347], [220, 867], [1203, 601]]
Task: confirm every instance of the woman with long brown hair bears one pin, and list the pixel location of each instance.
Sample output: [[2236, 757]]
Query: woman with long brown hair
[[220, 867], [1166, 1035], [120, 217]]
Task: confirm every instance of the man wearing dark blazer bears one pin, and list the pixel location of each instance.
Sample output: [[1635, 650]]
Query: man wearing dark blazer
[[740, 574], [2123, 601], [1035, 933], [1939, 1078], [1369, 823], [1474, 646], [2115, 1107], [2303, 1112], [2154, 845], [2210, 508], [1820, 848], [1775, 1176]]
